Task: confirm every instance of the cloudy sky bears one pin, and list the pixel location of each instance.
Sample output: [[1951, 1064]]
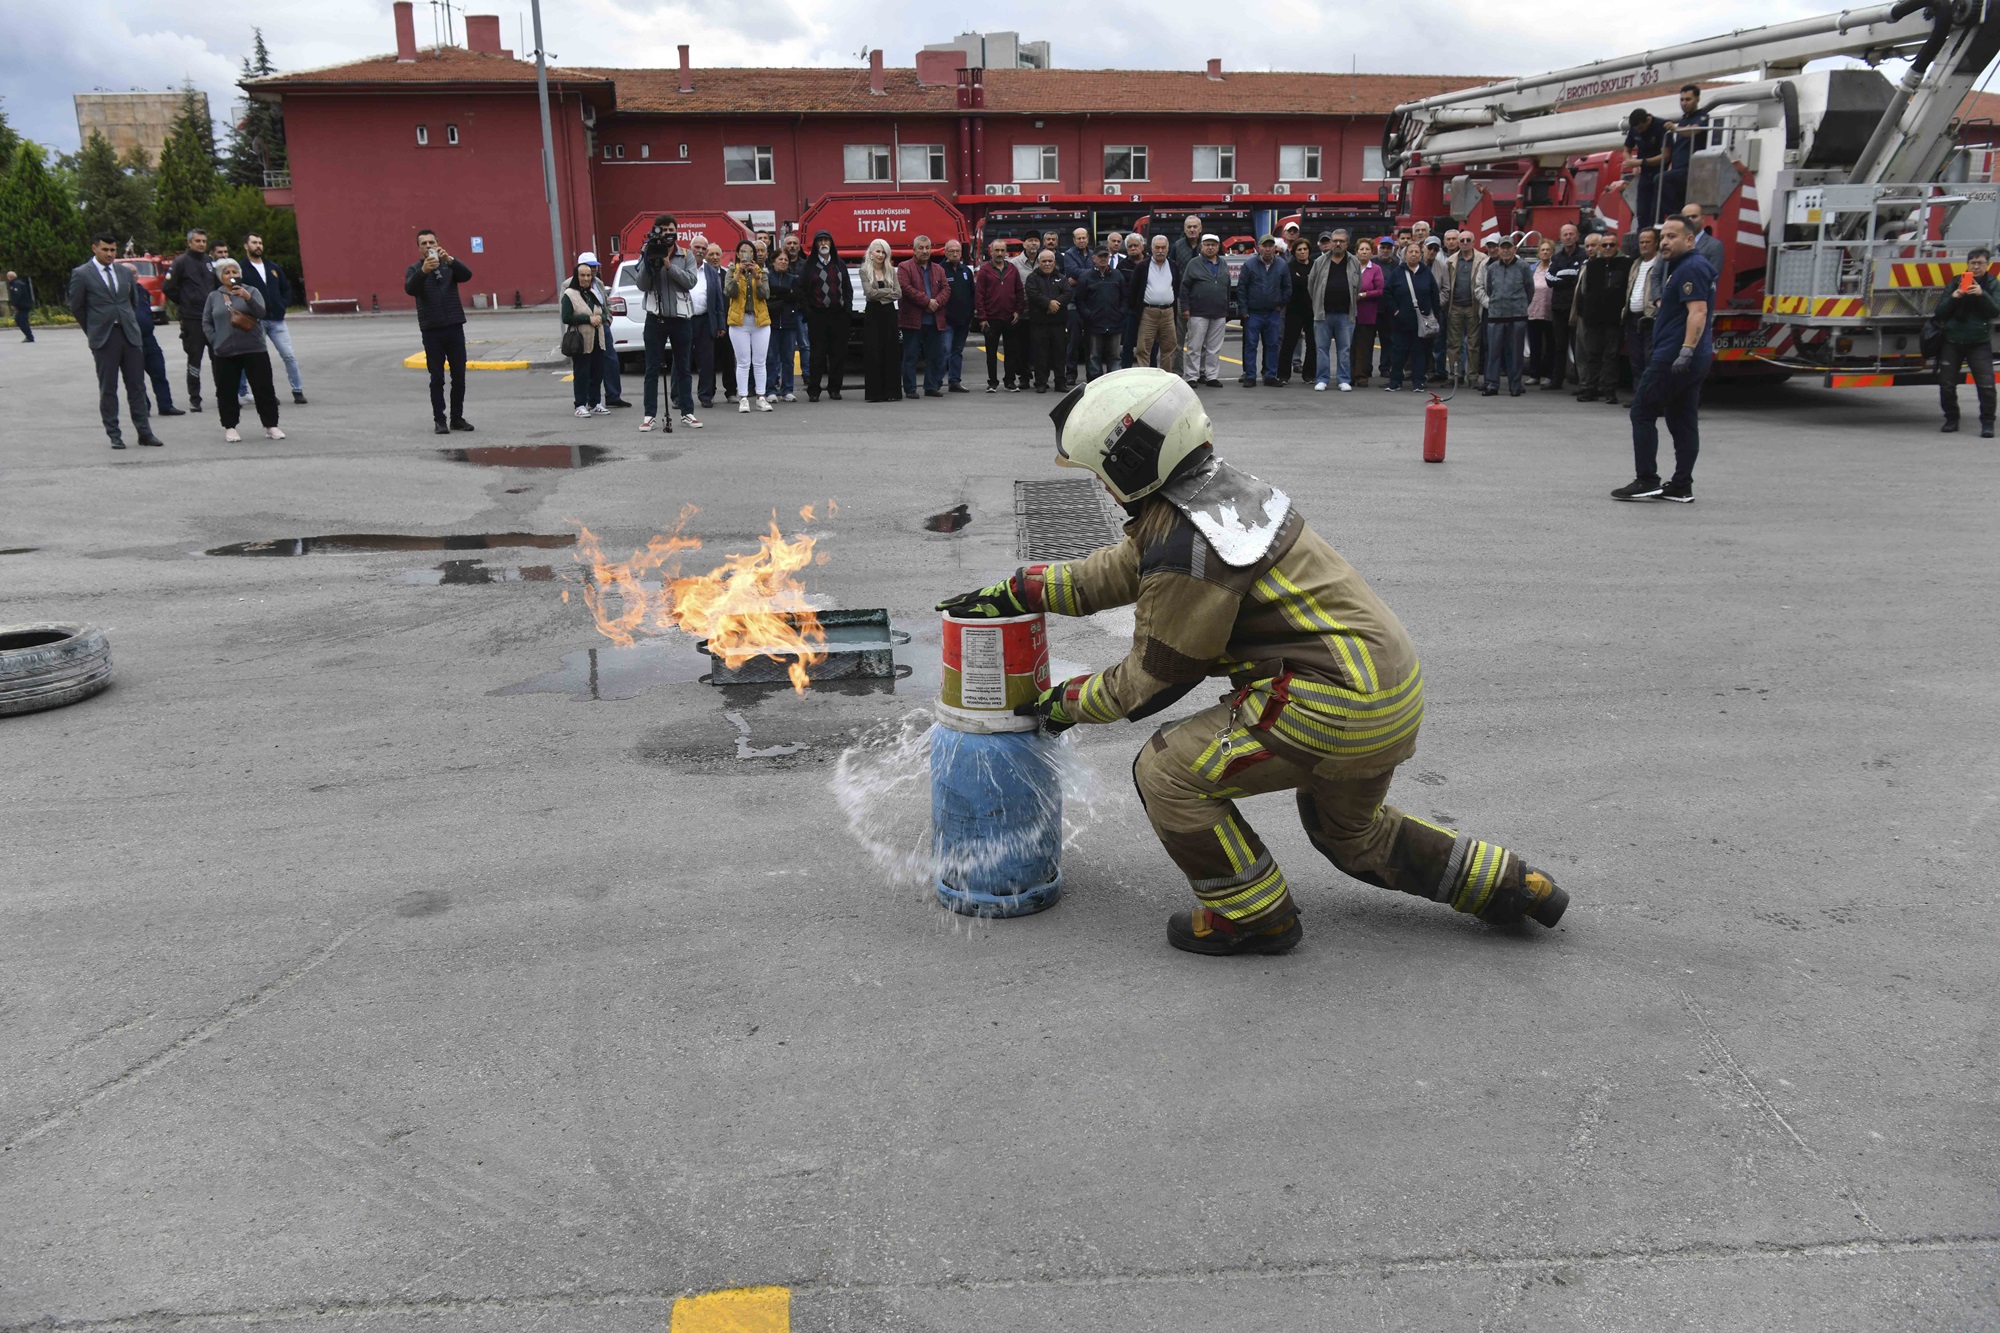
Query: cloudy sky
[[61, 47]]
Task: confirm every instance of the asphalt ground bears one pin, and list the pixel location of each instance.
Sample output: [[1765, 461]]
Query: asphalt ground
[[338, 990]]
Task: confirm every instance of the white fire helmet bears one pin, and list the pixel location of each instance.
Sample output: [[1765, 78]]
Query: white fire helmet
[[1132, 428]]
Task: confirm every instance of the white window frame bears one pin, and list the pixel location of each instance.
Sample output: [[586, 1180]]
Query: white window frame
[[878, 154], [451, 135], [423, 136], [1225, 170], [1371, 164], [646, 150], [1139, 158], [1311, 161], [763, 161], [1048, 163], [938, 163]]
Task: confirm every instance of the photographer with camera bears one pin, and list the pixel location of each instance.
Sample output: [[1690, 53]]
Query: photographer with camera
[[666, 276], [434, 280]]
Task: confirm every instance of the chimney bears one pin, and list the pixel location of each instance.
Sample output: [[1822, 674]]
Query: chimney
[[1215, 68], [687, 73], [482, 34], [875, 75], [406, 30]]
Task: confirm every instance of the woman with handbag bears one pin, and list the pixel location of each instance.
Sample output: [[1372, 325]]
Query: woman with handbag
[[583, 340], [232, 322], [1410, 308], [748, 291]]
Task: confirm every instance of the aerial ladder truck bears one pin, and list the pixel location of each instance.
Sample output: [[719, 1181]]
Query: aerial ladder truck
[[1842, 205]]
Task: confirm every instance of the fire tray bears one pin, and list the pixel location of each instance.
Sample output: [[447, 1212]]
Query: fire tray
[[859, 645]]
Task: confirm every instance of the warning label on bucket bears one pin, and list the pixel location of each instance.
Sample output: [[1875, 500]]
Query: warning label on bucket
[[983, 673]]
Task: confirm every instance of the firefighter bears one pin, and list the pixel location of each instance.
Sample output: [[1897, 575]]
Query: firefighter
[[1670, 384], [1326, 694]]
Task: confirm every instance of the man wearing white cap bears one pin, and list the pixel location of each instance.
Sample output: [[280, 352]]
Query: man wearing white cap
[[614, 391], [1205, 306]]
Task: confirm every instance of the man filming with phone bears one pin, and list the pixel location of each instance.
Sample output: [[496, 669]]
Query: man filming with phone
[[433, 280]]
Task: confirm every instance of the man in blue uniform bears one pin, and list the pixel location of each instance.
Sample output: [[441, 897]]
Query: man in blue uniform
[[1646, 142], [1684, 137], [1670, 386]]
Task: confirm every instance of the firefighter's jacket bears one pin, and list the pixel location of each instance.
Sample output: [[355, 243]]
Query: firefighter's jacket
[[1321, 665]]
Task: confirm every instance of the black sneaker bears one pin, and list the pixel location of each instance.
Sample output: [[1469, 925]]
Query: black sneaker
[[442, 429], [169, 410], [994, 388], [1986, 431], [1681, 492], [1489, 393], [1203, 931], [298, 396], [1948, 428], [1015, 388], [461, 424], [1639, 489]]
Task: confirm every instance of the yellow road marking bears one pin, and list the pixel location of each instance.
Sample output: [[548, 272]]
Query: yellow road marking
[[743, 1310], [415, 361]]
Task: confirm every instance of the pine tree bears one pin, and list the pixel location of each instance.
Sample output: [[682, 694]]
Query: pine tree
[[41, 233], [9, 141], [188, 178], [257, 142], [238, 210], [113, 197]]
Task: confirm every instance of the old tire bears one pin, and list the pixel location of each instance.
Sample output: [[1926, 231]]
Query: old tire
[[47, 665]]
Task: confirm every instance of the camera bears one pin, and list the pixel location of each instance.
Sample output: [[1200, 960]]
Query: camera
[[659, 242]]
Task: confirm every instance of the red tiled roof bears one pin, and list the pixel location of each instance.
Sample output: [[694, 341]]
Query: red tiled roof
[[834, 91], [1026, 91], [1979, 106], [445, 64]]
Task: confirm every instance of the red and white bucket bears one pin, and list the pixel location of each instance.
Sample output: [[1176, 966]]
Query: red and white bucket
[[990, 667]]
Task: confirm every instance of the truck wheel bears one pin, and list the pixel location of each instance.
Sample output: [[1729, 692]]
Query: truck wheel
[[49, 665]]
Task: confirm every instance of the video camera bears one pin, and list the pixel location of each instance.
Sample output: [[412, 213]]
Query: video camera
[[659, 242]]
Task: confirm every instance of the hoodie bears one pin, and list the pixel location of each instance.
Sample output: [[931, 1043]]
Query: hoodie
[[824, 284]]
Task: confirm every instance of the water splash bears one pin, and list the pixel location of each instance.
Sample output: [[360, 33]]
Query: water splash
[[883, 786]]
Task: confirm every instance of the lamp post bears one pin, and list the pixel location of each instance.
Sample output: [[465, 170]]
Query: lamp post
[[548, 147]]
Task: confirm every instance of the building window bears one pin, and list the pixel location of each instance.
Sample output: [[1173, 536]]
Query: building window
[[746, 165], [1215, 162], [1298, 162], [645, 150], [423, 135], [922, 162], [1125, 163], [613, 152], [1035, 162], [451, 134], [866, 162], [1371, 165]]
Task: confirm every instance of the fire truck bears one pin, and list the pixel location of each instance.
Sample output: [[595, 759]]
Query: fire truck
[[1842, 206]]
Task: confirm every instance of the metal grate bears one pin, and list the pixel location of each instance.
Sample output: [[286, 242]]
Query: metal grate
[[1064, 520]]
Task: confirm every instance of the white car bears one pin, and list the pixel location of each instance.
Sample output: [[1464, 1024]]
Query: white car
[[628, 316]]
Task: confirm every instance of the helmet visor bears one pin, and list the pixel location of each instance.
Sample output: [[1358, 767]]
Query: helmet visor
[[1060, 415]]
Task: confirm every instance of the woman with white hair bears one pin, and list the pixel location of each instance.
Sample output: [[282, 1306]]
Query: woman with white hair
[[232, 322], [881, 342]]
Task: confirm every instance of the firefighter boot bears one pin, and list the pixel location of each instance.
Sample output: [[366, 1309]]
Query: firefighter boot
[[1202, 930], [1534, 895]]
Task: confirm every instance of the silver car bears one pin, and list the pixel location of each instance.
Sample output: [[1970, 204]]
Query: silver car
[[628, 316]]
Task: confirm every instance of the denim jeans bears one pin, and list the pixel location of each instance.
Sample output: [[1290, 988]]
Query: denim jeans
[[281, 338], [925, 346], [1262, 330], [1503, 352], [1335, 332], [778, 374], [954, 351], [610, 384]]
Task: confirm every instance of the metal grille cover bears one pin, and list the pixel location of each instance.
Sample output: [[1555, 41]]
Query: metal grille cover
[[1064, 520]]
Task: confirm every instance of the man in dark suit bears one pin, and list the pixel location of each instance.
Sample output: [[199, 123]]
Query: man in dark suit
[[21, 297], [107, 303]]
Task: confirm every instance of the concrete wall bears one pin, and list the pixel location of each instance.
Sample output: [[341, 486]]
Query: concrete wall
[[362, 186]]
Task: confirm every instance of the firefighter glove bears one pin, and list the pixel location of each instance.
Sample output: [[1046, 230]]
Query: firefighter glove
[[1053, 706], [997, 602], [1684, 363]]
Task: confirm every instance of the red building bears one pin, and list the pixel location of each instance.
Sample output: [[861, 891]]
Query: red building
[[450, 138]]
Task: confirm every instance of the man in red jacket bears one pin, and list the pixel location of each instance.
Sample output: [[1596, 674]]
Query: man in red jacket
[[997, 301], [920, 315]]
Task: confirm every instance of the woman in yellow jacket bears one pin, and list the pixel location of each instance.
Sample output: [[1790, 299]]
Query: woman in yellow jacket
[[748, 291]]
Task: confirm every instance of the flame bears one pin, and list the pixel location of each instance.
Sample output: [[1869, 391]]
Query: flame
[[749, 606]]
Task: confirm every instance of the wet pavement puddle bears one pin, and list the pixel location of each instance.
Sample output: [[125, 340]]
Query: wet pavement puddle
[[531, 455], [951, 520], [456, 573], [351, 542]]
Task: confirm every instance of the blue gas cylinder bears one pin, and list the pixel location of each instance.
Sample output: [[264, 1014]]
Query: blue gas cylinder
[[996, 821]]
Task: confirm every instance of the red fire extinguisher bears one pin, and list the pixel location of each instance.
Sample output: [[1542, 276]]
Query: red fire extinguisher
[[1434, 424]]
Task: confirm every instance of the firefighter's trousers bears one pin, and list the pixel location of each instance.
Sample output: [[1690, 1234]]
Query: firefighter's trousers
[[1188, 781]]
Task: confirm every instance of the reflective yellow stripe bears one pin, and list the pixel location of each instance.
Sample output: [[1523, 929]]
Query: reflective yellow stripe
[[1234, 845], [1059, 591], [1215, 758], [1094, 702], [1258, 897], [1300, 608]]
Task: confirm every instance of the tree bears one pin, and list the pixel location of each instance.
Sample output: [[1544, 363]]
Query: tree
[[9, 141], [188, 179], [257, 142], [41, 233], [238, 210], [114, 197]]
